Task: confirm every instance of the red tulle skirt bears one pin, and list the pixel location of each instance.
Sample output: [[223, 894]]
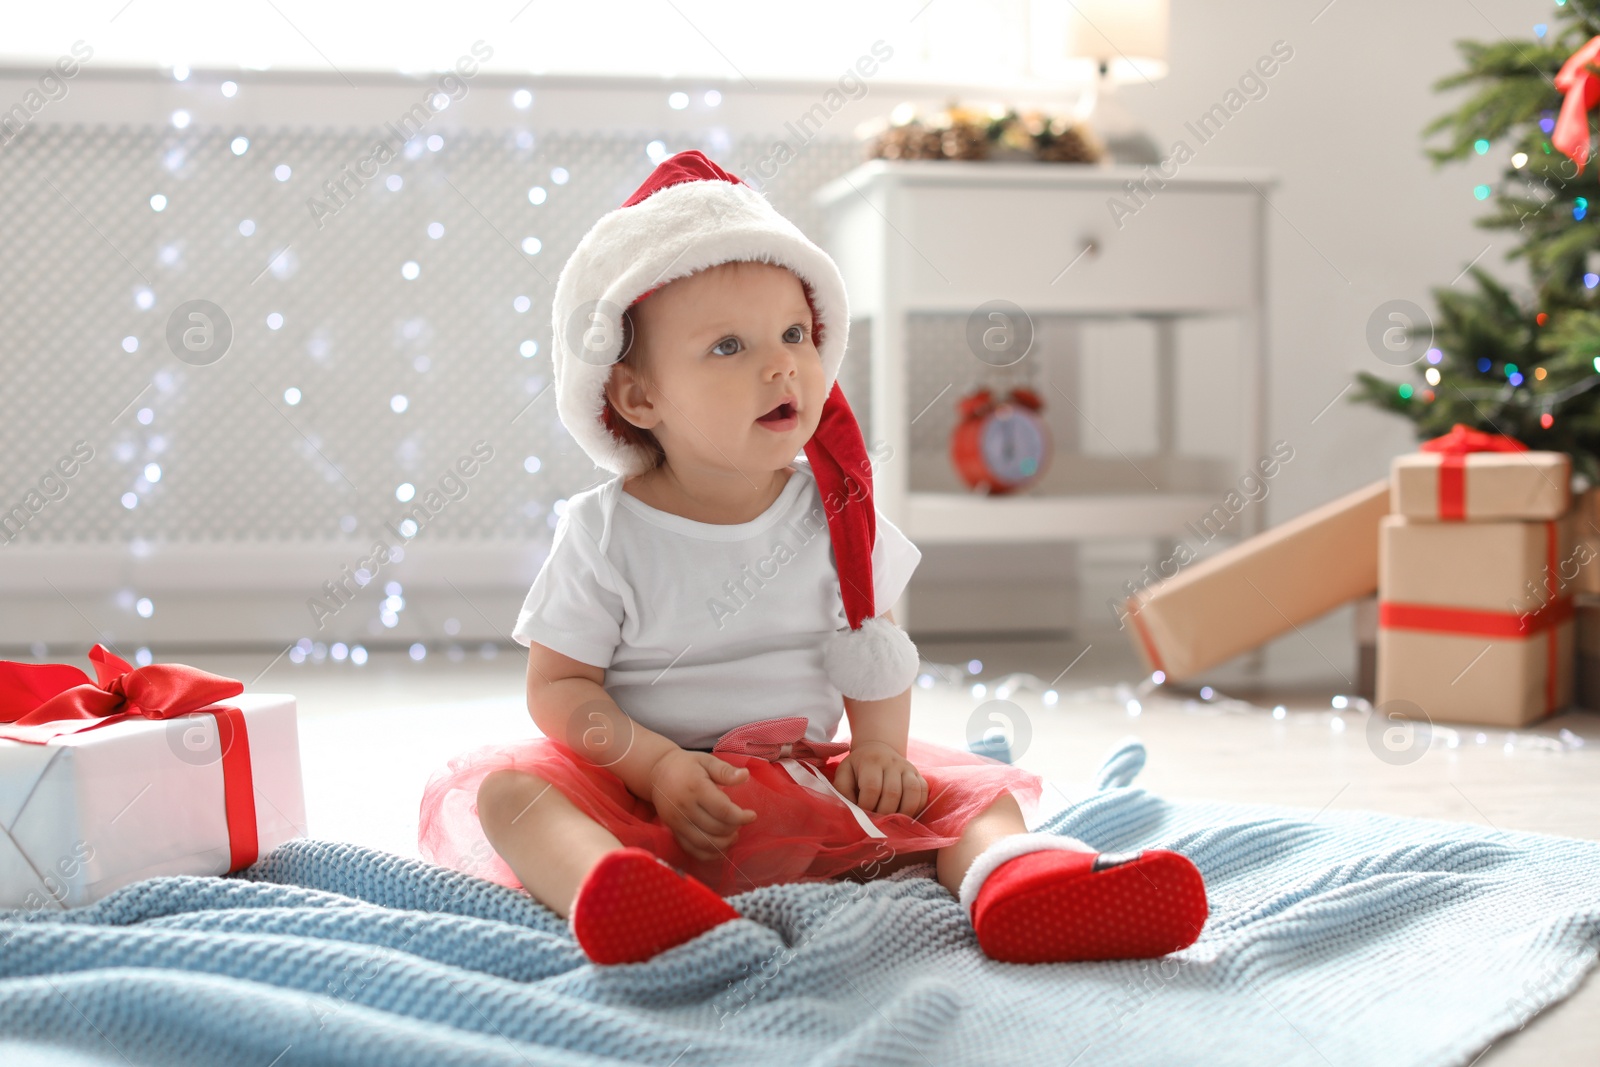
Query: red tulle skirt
[[803, 831]]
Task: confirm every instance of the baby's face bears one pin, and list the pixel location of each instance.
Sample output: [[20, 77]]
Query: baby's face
[[723, 348]]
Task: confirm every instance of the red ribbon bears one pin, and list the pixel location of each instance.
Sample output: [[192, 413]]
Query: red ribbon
[[1505, 625], [1582, 88], [41, 701], [775, 739], [1151, 653], [1454, 448], [1511, 625]]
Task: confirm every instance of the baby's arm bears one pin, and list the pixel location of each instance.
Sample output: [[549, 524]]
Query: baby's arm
[[568, 703], [877, 767]]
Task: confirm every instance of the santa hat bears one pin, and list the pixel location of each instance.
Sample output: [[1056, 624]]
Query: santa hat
[[689, 215]]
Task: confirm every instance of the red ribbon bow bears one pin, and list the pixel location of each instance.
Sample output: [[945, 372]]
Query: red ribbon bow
[[1582, 88], [35, 693], [775, 739], [1463, 439], [41, 701], [1454, 447]]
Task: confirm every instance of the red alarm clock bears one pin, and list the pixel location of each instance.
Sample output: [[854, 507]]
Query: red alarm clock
[[1001, 445]]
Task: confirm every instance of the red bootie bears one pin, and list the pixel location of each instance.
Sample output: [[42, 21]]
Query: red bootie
[[1033, 899], [633, 905]]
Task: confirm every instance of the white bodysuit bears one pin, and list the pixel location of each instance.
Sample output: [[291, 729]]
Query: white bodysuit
[[703, 627]]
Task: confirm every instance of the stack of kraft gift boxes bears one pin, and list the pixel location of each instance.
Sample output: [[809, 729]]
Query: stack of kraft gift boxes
[[1486, 574], [1477, 569], [1586, 602]]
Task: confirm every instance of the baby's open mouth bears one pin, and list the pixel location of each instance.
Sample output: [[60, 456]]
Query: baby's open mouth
[[779, 413]]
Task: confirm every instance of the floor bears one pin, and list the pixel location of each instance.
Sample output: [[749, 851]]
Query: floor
[[370, 735]]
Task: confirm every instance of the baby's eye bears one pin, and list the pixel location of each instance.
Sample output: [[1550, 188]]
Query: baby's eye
[[721, 347], [794, 335]]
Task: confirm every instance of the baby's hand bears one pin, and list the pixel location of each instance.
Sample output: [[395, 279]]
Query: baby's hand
[[684, 787], [886, 781]]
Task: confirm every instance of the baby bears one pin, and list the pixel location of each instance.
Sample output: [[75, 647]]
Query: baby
[[706, 616]]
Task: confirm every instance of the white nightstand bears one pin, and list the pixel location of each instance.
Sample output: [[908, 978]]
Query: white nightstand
[[945, 237]]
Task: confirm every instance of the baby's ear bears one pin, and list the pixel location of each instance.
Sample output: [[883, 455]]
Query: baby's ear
[[627, 393]]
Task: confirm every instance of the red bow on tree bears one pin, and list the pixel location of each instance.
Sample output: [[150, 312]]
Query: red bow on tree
[[1579, 81]]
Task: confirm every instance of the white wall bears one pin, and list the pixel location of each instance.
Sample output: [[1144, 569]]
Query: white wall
[[1362, 216]]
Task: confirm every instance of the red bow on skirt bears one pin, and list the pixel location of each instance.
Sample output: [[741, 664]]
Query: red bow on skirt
[[775, 739]]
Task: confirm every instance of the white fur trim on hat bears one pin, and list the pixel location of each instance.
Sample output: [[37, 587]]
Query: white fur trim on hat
[[1009, 848], [673, 232], [875, 662]]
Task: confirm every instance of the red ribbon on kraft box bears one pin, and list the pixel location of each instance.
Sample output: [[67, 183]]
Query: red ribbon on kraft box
[[1505, 625], [1453, 449]]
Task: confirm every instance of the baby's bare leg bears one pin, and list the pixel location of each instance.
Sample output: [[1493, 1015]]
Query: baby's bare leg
[[1000, 819], [548, 843]]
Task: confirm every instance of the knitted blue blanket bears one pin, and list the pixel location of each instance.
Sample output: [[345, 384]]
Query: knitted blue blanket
[[1342, 938]]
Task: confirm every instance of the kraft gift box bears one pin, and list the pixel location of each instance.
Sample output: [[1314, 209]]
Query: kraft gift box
[[1365, 631], [90, 812], [1587, 558], [1259, 589], [1480, 485], [1586, 517], [1586, 684], [1474, 621]]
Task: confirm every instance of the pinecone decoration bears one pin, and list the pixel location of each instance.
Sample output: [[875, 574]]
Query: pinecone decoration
[[964, 140], [911, 141], [1069, 145], [963, 132], [968, 133]]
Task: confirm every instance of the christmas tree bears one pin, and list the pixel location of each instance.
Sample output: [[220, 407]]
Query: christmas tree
[[1524, 366]]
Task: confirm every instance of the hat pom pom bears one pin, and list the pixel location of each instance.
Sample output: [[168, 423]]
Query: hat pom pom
[[874, 662]]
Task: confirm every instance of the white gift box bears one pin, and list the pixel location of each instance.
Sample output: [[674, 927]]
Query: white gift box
[[91, 812]]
